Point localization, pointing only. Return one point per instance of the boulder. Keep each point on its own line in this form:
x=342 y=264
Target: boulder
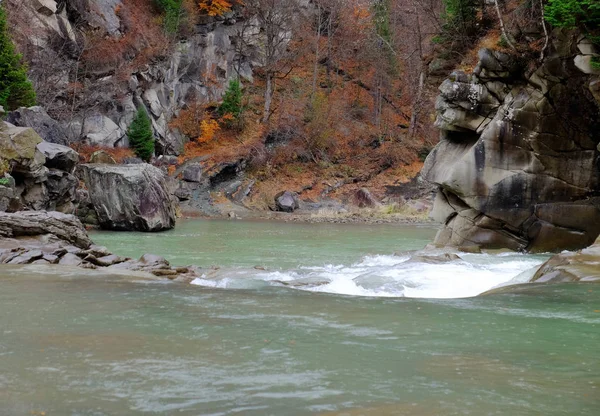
x=129 y=197
x=58 y=156
x=364 y=199
x=286 y=201
x=99 y=130
x=193 y=172
x=580 y=266
x=18 y=148
x=100 y=156
x=511 y=171
x=47 y=7
x=27 y=223
x=62 y=187
x=36 y=117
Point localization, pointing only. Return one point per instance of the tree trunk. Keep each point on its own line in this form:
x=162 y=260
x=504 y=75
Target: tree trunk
x=502 y=26
x=268 y=97
x=316 y=67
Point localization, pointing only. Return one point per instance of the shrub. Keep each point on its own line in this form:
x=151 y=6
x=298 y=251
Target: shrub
x=141 y=138
x=15 y=89
x=172 y=10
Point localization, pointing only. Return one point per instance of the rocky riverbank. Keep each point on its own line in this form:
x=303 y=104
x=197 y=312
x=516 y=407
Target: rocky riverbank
x=40 y=237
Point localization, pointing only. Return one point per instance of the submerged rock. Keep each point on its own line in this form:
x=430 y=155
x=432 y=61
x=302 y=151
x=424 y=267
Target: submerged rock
x=37 y=237
x=580 y=266
x=129 y=197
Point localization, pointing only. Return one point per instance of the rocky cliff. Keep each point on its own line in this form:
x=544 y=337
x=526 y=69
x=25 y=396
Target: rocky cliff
x=518 y=162
x=93 y=62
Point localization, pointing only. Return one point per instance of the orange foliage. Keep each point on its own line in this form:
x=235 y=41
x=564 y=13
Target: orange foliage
x=209 y=128
x=215 y=7
x=189 y=119
x=117 y=153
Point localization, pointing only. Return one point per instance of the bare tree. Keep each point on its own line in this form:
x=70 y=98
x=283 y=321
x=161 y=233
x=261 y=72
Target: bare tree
x=277 y=20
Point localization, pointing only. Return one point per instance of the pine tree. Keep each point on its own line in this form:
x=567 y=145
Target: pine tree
x=141 y=138
x=231 y=107
x=15 y=89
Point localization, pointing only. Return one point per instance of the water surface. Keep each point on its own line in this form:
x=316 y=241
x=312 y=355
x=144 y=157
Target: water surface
x=257 y=342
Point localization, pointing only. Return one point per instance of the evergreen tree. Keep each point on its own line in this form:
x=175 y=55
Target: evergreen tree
x=232 y=100
x=459 y=21
x=582 y=14
x=15 y=89
x=141 y=138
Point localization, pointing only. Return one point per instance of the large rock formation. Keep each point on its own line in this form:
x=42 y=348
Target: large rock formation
x=52 y=238
x=129 y=197
x=56 y=36
x=517 y=166
x=36 y=117
x=62 y=226
x=39 y=174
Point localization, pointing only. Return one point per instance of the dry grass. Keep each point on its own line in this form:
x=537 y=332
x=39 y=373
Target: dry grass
x=117 y=153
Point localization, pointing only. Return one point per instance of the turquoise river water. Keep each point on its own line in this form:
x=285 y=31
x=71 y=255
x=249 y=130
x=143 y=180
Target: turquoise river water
x=331 y=323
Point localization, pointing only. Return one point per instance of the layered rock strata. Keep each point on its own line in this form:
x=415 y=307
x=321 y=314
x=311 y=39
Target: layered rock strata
x=518 y=162
x=54 y=238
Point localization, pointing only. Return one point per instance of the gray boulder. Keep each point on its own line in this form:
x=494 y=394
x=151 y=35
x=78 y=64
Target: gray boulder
x=58 y=156
x=62 y=187
x=18 y=148
x=193 y=173
x=286 y=201
x=129 y=197
x=36 y=117
x=7 y=192
x=28 y=223
x=580 y=266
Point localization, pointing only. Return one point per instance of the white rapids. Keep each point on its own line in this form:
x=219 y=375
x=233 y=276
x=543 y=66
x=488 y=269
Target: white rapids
x=391 y=276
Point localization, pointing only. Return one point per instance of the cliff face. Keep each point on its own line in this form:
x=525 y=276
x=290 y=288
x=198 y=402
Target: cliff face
x=94 y=61
x=518 y=162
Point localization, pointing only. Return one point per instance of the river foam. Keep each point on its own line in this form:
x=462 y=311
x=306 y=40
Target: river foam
x=392 y=276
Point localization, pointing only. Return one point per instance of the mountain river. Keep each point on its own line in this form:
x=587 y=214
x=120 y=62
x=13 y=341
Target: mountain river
x=297 y=319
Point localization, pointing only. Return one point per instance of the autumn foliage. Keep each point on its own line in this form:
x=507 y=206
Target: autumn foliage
x=215 y=7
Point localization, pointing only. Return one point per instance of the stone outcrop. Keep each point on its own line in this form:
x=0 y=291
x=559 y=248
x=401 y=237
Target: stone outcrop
x=27 y=223
x=59 y=239
x=129 y=197
x=100 y=156
x=580 y=266
x=36 y=117
x=58 y=156
x=40 y=172
x=517 y=165
x=196 y=68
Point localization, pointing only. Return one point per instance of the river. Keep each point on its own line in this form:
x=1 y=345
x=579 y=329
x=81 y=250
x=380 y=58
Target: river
x=330 y=323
